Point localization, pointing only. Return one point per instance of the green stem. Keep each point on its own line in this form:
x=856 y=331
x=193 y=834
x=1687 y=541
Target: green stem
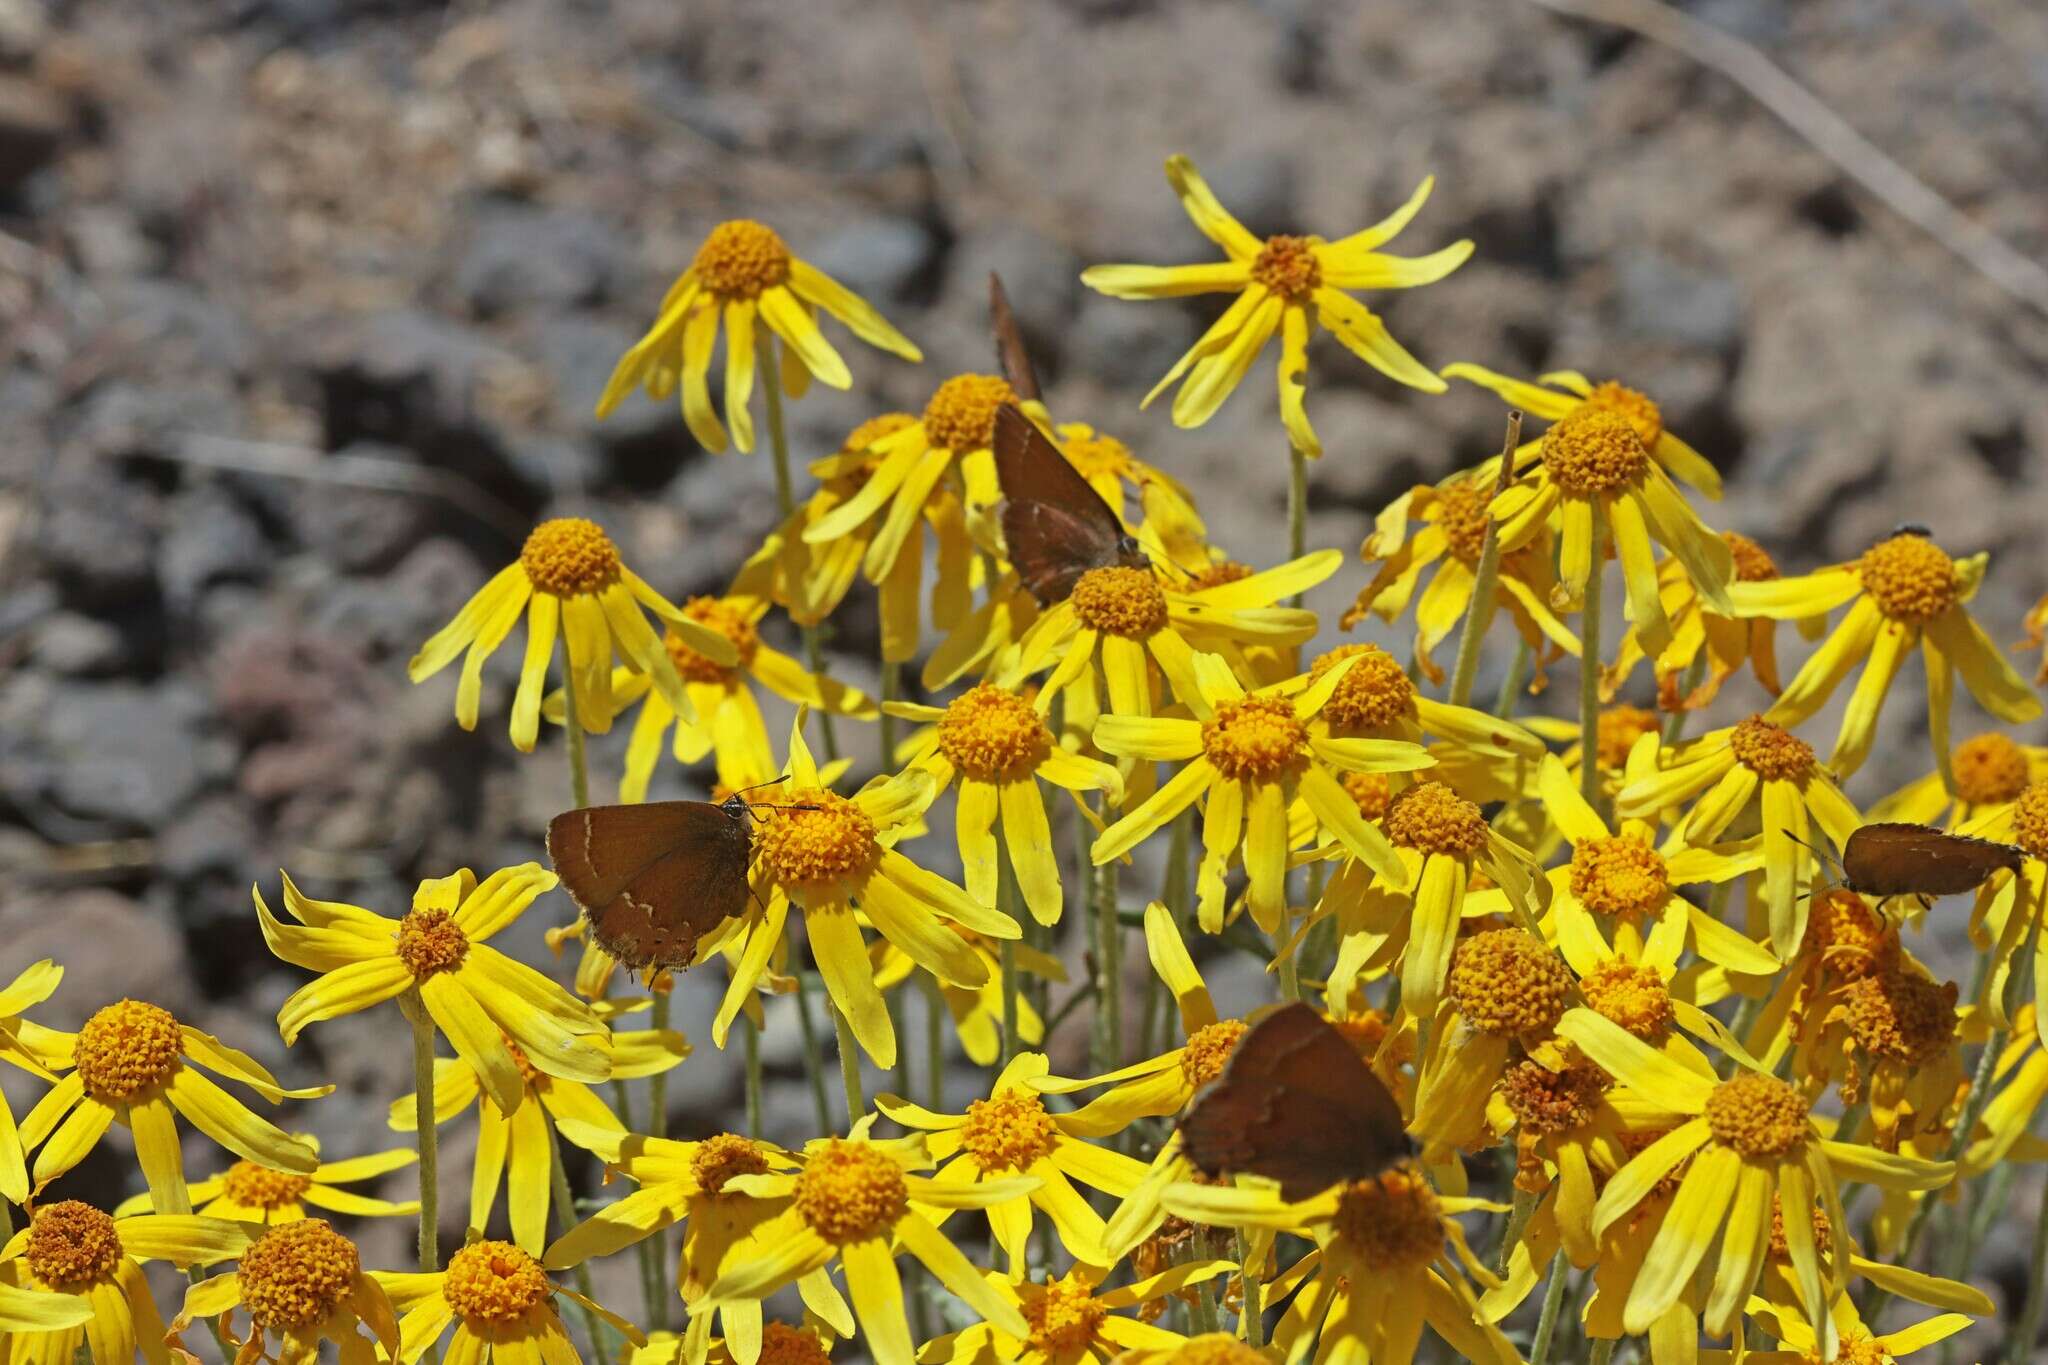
x=751 y=1032
x=1251 y=1320
x=1674 y=724
x=814 y=1056
x=1511 y=686
x=1546 y=1325
x=1297 y=505
x=1589 y=665
x=892 y=690
x=415 y=1010
x=1283 y=954
x=2020 y=1347
x=849 y=1065
x=934 y=1045
x=654 y=1250
x=1109 y=966
x=1485 y=579
x=579 y=764
x=1007 y=899
x=1603 y=1351
x=565 y=1218
x=1519 y=1213
x=785 y=504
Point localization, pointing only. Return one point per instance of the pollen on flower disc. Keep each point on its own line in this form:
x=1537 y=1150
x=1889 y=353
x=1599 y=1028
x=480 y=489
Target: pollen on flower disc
x=783 y=1344
x=1545 y=1101
x=570 y=557
x=1119 y=600
x=1287 y=265
x=989 y=733
x=1008 y=1131
x=1373 y=793
x=1432 y=818
x=2030 y=820
x=1375 y=693
x=1901 y=1016
x=259 y=1187
x=1770 y=751
x=71 y=1245
x=1507 y=983
x=1463 y=512
x=1753 y=563
x=720 y=1158
x=1393 y=1221
x=1618 y=729
x=1063 y=1318
x=850 y=1191
x=1631 y=996
x=1757 y=1115
x=1217 y=574
x=815 y=848
x=297 y=1273
x=1214 y=1348
x=1910 y=578
x=740 y=258
x=1208 y=1050
x=125 y=1049
x=721 y=616
x=1989 y=769
x=429 y=942
x=1851 y=939
x=1619 y=875
x=1256 y=738
x=961 y=415
x=1593 y=450
x=490 y=1282
x=1633 y=406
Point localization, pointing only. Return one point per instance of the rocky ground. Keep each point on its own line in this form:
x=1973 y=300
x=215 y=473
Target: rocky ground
x=305 y=304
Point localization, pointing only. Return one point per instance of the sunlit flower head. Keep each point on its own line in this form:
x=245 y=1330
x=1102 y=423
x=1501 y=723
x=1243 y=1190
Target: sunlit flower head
x=500 y=1304
x=1989 y=771
x=1559 y=394
x=22 y=1044
x=569 y=581
x=483 y=1001
x=1706 y=648
x=249 y=1192
x=745 y=276
x=1890 y=1040
x=1901 y=592
x=1076 y=1322
x=300 y=1283
x=1168 y=516
x=1278 y=281
x=1502 y=997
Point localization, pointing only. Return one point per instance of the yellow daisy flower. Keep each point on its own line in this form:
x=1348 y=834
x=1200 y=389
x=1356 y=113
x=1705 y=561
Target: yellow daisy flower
x=2007 y=1119
x=1210 y=1348
x=2009 y=907
x=136 y=1065
x=1903 y=591
x=1620 y=727
x=996 y=745
x=71 y=1253
x=1891 y=1039
x=568 y=581
x=22 y=1043
x=1390 y=1259
x=500 y=1302
x=1073 y=1321
x=1009 y=1134
x=1747 y=1138
x=1596 y=469
x=1754 y=764
x=1276 y=282
x=1721 y=645
x=514 y=1151
x=1855 y=1343
x=855 y=1201
x=1503 y=996
x=1454 y=517
x=1559 y=394
x=304 y=1282
x=690 y=1183
x=1169 y=519
x=745 y=276
x=977 y=1011
x=1989 y=770
x=248 y=1192
x=781 y=1343
x=825 y=854
x=481 y=999
x=1252 y=755
x=2036 y=623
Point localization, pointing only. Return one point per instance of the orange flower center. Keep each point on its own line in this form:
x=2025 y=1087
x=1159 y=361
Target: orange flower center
x=1256 y=738
x=1063 y=1317
x=1753 y=564
x=1461 y=510
x=1372 y=791
x=1989 y=769
x=814 y=849
x=570 y=557
x=1008 y=1131
x=740 y=258
x=1119 y=601
x=728 y=619
x=1432 y=818
x=1214 y=1348
x=1393 y=1220
x=1618 y=729
x=297 y=1274
x=1631 y=405
x=1910 y=578
x=1901 y=1016
x=430 y=941
x=961 y=415
x=1823 y=1230
x=493 y=1282
x=1374 y=694
x=1757 y=1115
x=1208 y=1051
x=1545 y=1101
x=126 y=1049
x=849 y=1191
x=1771 y=752
x=1096 y=455
x=1634 y=997
x=72 y=1246
x=2030 y=820
x=720 y=1158
x=1618 y=875
x=989 y=733
x=259 y=1187
x=1221 y=572
x=782 y=1344
x=1508 y=984
x=1288 y=266
x=1593 y=450
x=1848 y=936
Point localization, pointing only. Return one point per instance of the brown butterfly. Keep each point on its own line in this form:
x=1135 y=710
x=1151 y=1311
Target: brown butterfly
x=1296 y=1104
x=1896 y=859
x=654 y=878
x=1055 y=525
x=1010 y=352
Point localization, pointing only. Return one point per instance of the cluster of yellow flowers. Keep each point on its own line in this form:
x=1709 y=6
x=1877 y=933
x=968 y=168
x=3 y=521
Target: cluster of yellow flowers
x=1600 y=965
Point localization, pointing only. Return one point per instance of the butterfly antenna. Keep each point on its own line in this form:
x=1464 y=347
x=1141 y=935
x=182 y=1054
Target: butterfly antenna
x=1826 y=858
x=771 y=782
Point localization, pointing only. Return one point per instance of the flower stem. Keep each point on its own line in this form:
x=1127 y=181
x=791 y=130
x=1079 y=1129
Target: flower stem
x=1485 y=578
x=1511 y=685
x=654 y=1250
x=785 y=504
x=1251 y=1318
x=849 y=1065
x=2020 y=1347
x=1109 y=966
x=1674 y=724
x=1297 y=505
x=415 y=1011
x=1546 y=1324
x=1006 y=903
x=1603 y=1351
x=814 y=1056
x=934 y=1045
x=892 y=690
x=579 y=763
x=1519 y=1213
x=751 y=1033
x=1589 y=665
x=565 y=1218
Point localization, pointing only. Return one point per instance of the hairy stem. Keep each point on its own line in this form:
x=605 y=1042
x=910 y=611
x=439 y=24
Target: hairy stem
x=1485 y=578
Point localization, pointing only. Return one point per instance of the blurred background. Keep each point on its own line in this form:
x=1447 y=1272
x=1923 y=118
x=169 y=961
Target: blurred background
x=305 y=305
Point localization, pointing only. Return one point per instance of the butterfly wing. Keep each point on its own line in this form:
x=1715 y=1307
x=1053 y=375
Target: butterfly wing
x=1055 y=525
x=653 y=878
x=1898 y=859
x=1296 y=1104
x=1010 y=352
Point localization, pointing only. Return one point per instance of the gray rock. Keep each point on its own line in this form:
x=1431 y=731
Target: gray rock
x=211 y=837
x=78 y=646
x=184 y=327
x=1042 y=278
x=390 y=616
x=1127 y=345
x=33 y=120
x=1662 y=299
x=209 y=536
x=521 y=257
x=98 y=533
x=883 y=259
x=361 y=530
x=1261 y=191
x=579 y=354
x=120 y=753
x=111 y=948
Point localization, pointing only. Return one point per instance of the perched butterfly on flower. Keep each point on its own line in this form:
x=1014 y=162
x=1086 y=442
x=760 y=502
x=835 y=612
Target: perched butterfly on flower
x=1055 y=526
x=1295 y=1104
x=1897 y=859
